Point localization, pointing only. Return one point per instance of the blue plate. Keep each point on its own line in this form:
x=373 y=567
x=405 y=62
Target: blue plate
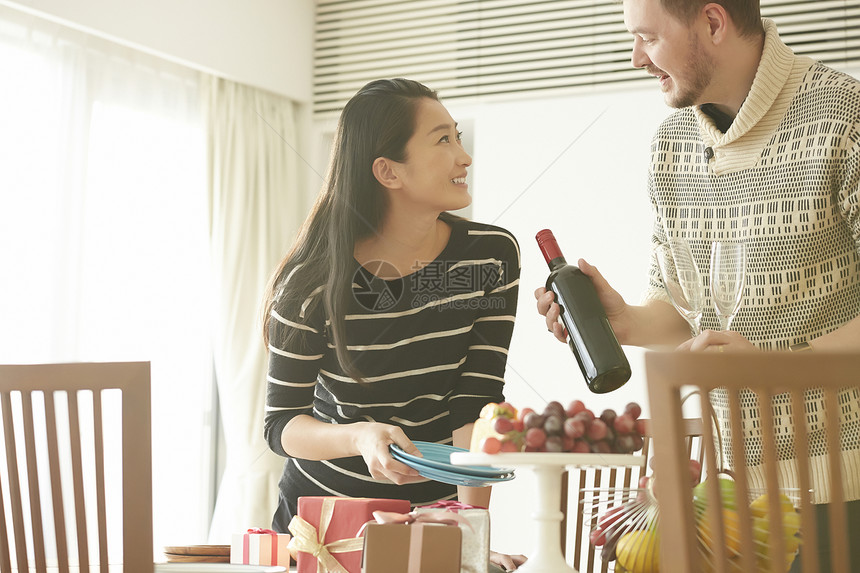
x=482 y=472
x=438 y=457
x=455 y=478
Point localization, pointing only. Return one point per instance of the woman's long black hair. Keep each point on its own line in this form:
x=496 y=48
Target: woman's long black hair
x=377 y=122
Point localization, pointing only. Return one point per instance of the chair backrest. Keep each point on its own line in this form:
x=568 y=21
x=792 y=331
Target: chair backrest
x=599 y=489
x=61 y=470
x=780 y=416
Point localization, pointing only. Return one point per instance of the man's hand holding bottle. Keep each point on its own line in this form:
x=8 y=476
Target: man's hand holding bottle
x=654 y=324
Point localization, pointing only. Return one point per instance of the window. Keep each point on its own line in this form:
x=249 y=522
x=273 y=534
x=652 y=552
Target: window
x=104 y=236
x=499 y=49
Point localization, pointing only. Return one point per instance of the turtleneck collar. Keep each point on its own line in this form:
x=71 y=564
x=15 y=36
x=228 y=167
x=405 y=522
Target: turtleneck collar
x=778 y=76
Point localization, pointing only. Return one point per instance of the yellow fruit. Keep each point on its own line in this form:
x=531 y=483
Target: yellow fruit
x=639 y=552
x=498 y=410
x=763 y=543
x=761 y=535
x=764 y=564
x=483 y=428
x=791 y=523
x=759 y=507
x=792 y=544
x=762 y=525
x=488 y=411
x=731 y=530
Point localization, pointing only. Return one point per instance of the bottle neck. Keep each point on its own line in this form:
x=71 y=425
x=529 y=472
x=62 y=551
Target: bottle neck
x=556 y=263
x=550 y=249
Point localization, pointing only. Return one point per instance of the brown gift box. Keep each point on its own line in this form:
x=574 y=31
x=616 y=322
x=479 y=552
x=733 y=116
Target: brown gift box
x=414 y=548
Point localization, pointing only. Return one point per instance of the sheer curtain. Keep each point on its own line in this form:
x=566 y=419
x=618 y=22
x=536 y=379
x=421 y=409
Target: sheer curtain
x=255 y=211
x=104 y=247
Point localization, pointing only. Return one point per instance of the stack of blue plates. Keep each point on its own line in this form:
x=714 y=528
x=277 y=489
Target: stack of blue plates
x=436 y=465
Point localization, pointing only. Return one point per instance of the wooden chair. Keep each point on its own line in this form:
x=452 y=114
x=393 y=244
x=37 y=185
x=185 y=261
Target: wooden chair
x=60 y=467
x=613 y=483
x=815 y=393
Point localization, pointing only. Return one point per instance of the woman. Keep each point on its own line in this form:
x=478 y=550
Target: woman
x=390 y=319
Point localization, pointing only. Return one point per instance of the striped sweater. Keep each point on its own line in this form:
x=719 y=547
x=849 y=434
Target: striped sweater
x=783 y=179
x=431 y=347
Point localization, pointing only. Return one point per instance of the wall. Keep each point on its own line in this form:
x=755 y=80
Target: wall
x=263 y=43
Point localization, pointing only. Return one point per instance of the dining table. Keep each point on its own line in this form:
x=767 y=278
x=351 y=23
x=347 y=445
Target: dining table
x=176 y=568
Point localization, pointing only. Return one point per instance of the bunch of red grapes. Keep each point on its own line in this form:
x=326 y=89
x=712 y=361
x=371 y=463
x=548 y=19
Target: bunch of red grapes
x=573 y=429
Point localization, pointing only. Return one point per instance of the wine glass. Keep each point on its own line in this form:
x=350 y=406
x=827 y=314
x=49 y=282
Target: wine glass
x=683 y=280
x=728 y=274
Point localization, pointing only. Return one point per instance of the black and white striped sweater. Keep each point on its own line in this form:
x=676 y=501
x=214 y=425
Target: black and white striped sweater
x=431 y=347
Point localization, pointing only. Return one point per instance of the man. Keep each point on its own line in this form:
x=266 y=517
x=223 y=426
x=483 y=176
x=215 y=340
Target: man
x=775 y=163
x=764 y=149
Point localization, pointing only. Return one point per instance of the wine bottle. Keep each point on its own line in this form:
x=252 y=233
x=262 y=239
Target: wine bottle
x=600 y=357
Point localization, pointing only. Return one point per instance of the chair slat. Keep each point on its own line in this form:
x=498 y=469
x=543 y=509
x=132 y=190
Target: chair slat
x=667 y=434
x=56 y=483
x=580 y=497
x=777 y=546
x=565 y=486
x=78 y=481
x=37 y=530
x=5 y=554
x=591 y=551
x=711 y=460
x=613 y=476
x=137 y=474
x=742 y=494
x=98 y=443
x=14 y=484
x=808 y=521
x=836 y=514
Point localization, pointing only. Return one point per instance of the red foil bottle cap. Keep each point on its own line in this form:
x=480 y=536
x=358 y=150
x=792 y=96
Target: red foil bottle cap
x=548 y=245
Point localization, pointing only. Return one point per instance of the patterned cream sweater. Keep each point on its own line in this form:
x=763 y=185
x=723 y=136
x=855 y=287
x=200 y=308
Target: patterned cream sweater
x=784 y=179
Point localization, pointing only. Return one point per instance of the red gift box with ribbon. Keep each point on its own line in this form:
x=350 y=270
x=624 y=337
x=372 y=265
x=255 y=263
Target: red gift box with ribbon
x=327 y=531
x=260 y=547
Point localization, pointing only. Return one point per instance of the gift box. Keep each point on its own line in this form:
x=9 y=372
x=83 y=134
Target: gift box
x=326 y=531
x=475 y=552
x=413 y=548
x=260 y=547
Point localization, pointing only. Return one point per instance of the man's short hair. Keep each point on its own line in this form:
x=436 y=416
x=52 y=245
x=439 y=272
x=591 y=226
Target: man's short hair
x=746 y=14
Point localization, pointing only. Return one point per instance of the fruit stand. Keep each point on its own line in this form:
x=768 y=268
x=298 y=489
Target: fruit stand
x=548 y=467
x=623 y=520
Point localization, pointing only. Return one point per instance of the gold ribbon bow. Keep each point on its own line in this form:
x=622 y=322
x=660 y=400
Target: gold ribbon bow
x=310 y=540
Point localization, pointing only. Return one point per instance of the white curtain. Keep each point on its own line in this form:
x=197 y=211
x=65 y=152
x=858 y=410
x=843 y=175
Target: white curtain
x=256 y=207
x=103 y=236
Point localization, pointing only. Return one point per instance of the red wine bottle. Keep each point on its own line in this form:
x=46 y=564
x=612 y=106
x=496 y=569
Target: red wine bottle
x=591 y=337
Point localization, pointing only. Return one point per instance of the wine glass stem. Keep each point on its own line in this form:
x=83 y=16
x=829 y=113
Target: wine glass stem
x=696 y=323
x=725 y=322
